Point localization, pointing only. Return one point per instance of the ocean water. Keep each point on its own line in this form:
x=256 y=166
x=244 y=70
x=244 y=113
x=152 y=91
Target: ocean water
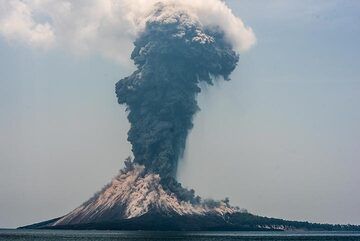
x=61 y=235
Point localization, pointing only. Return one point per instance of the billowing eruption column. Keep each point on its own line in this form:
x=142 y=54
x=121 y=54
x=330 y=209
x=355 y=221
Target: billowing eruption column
x=173 y=55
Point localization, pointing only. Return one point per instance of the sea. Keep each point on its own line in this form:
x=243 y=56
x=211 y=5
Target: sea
x=67 y=235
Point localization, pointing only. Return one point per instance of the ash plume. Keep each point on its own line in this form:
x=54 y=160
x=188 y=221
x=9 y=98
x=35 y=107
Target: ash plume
x=173 y=54
x=178 y=45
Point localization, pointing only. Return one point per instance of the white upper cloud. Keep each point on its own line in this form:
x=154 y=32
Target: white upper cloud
x=106 y=27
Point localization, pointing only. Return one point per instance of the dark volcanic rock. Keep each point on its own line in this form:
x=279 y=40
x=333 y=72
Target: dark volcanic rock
x=232 y=222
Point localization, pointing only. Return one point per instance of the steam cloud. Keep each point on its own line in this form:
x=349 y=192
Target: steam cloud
x=106 y=27
x=178 y=45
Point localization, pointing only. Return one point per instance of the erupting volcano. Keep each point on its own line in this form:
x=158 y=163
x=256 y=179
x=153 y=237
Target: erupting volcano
x=173 y=54
x=175 y=50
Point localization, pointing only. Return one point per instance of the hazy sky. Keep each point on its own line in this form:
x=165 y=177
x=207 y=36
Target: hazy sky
x=281 y=139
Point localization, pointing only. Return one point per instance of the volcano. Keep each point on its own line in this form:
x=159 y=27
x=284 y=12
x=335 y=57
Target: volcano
x=136 y=200
x=179 y=47
x=134 y=193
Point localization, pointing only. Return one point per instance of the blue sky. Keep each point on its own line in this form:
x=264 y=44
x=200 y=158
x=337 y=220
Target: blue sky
x=281 y=139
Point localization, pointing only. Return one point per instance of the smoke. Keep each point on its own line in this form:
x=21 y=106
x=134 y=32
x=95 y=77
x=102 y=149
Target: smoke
x=173 y=54
x=178 y=44
x=106 y=27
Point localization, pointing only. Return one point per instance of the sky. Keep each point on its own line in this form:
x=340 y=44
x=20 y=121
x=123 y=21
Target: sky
x=281 y=139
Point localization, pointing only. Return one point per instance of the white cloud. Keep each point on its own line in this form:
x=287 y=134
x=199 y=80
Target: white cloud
x=17 y=23
x=106 y=27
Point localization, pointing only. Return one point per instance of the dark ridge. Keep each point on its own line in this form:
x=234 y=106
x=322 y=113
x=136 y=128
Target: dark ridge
x=40 y=224
x=232 y=222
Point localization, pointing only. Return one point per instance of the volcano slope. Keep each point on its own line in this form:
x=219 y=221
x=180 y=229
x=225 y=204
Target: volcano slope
x=136 y=200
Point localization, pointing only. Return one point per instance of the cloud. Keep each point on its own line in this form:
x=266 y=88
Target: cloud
x=17 y=23
x=106 y=27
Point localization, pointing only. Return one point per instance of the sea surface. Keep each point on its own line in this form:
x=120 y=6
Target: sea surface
x=61 y=235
